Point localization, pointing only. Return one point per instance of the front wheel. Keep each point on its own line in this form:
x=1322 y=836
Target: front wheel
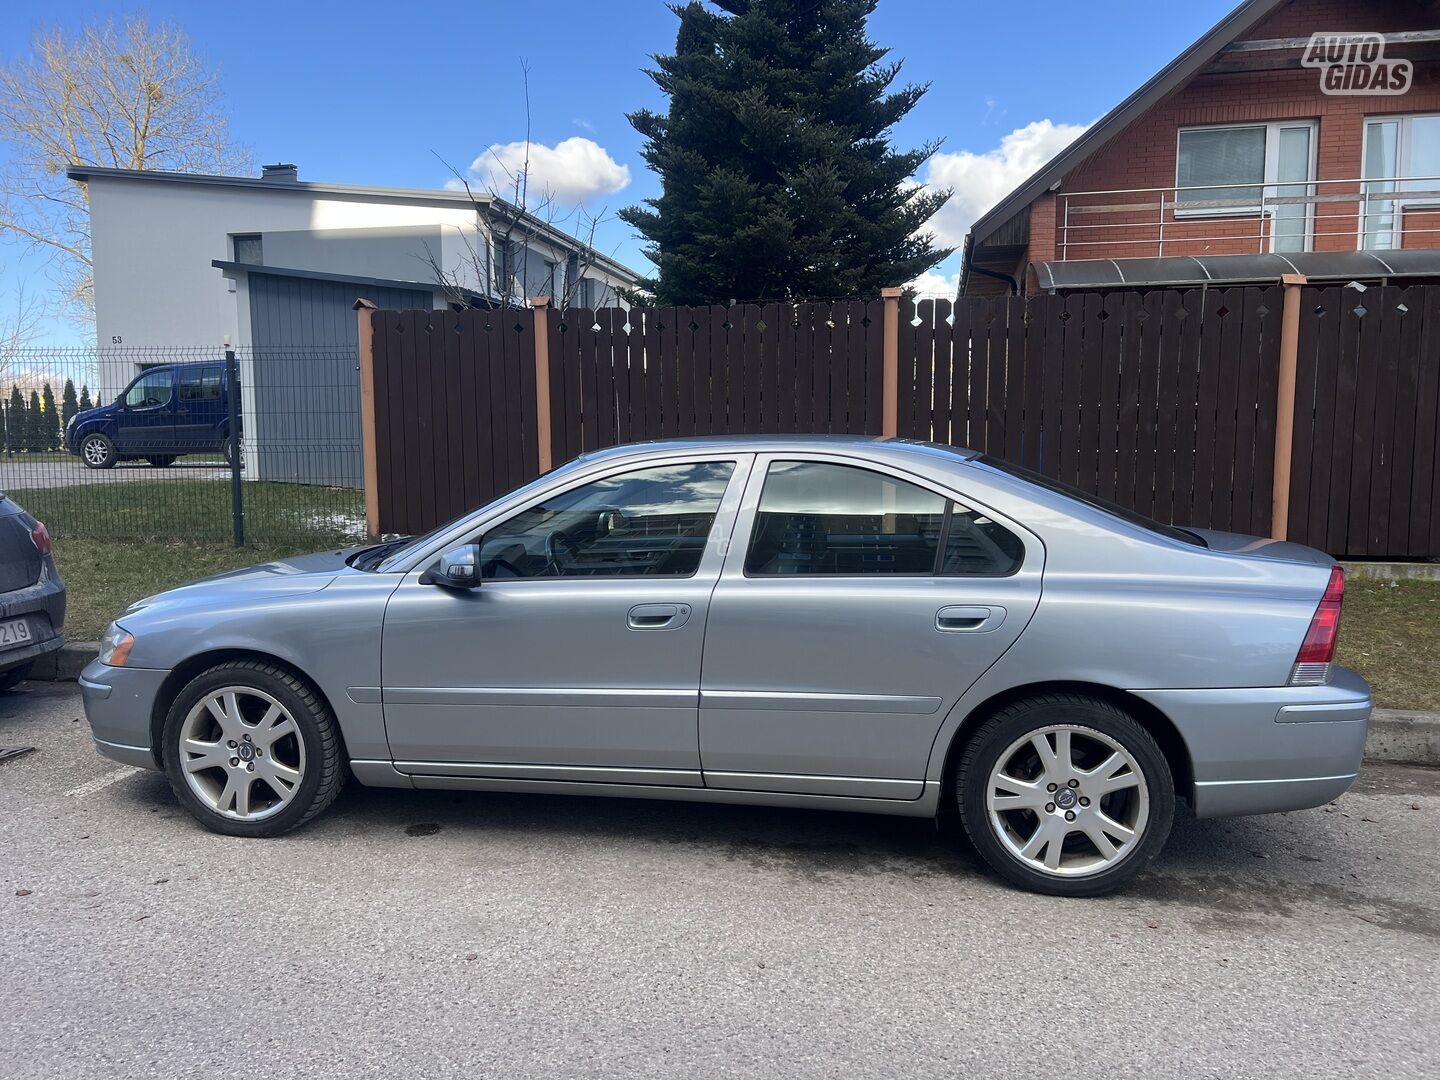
x=230 y=450
x=98 y=452
x=1065 y=794
x=251 y=750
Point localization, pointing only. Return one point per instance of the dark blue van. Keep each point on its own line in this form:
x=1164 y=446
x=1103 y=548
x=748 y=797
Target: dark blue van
x=167 y=411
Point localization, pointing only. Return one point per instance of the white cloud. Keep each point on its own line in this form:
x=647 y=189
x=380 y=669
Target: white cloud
x=572 y=171
x=982 y=180
x=934 y=285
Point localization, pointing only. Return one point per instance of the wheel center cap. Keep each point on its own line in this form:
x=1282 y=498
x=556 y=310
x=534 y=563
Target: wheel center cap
x=1065 y=798
x=246 y=752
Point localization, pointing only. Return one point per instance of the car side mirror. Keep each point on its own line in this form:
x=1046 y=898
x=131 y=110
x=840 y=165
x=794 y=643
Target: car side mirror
x=458 y=568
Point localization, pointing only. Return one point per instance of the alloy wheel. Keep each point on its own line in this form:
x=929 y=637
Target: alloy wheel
x=95 y=450
x=1068 y=801
x=241 y=753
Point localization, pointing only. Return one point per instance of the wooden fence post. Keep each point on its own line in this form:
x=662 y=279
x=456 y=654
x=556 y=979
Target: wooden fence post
x=1285 y=405
x=369 y=448
x=540 y=310
x=890 y=400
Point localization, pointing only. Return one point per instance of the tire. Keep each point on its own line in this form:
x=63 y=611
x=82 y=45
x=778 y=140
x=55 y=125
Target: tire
x=98 y=452
x=228 y=449
x=14 y=677
x=204 y=780
x=1121 y=784
x=161 y=461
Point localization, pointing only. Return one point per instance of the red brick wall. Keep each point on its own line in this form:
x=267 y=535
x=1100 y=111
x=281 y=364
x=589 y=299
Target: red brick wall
x=1143 y=155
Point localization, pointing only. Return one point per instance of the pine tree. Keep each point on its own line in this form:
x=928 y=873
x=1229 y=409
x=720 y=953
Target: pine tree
x=34 y=424
x=15 y=425
x=49 y=420
x=85 y=402
x=4 y=426
x=69 y=406
x=778 y=177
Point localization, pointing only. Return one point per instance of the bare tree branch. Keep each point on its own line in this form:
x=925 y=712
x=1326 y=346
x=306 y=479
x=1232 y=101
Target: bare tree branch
x=126 y=95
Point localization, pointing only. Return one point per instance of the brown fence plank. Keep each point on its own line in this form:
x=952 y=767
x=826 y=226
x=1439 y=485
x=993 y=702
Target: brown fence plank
x=1425 y=480
x=1385 y=374
x=1343 y=444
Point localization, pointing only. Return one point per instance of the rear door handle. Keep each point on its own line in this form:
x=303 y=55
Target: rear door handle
x=968 y=620
x=658 y=616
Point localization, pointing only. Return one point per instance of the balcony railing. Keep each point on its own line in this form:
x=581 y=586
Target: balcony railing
x=1359 y=213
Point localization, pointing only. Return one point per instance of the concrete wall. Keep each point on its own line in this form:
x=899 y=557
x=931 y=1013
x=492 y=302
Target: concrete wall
x=154 y=241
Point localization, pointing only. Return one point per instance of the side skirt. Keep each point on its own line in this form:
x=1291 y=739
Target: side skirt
x=385 y=774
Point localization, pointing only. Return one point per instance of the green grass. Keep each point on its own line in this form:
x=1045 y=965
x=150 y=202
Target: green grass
x=1390 y=633
x=295 y=516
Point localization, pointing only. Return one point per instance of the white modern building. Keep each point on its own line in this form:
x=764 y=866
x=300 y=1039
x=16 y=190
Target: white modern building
x=189 y=265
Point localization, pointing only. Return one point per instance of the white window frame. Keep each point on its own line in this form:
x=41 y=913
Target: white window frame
x=1402 y=166
x=1271 y=181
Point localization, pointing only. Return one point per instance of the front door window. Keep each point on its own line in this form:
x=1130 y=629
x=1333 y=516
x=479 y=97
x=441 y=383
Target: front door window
x=648 y=523
x=150 y=391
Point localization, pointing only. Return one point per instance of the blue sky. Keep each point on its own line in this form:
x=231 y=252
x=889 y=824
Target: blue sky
x=369 y=93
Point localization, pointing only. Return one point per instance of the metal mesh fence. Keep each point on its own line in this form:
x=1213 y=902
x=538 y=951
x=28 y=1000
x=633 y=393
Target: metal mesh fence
x=186 y=443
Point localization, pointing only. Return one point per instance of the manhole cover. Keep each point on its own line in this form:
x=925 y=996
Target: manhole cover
x=8 y=752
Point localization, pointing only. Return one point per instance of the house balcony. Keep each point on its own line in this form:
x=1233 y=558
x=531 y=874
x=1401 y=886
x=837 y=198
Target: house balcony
x=1355 y=214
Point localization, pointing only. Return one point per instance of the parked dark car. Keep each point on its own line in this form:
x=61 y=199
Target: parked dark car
x=32 y=596
x=165 y=412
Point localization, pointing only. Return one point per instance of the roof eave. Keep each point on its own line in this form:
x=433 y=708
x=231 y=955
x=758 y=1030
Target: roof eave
x=1179 y=71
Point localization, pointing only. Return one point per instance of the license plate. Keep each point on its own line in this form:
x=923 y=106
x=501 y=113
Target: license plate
x=14 y=632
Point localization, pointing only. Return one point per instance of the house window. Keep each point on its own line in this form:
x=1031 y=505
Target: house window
x=1400 y=152
x=552 y=283
x=247 y=249
x=1248 y=169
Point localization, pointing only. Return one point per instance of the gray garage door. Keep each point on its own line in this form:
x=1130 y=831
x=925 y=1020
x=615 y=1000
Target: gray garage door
x=303 y=375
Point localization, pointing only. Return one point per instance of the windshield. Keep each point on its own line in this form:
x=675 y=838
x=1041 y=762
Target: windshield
x=1174 y=532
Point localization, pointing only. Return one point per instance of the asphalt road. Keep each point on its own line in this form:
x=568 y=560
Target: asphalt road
x=432 y=934
x=17 y=474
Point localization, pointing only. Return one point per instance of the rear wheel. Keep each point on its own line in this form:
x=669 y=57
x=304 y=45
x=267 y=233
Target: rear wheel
x=1065 y=794
x=97 y=451
x=230 y=449
x=251 y=750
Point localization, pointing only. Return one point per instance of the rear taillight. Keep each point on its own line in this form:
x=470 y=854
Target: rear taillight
x=41 y=537
x=1312 y=663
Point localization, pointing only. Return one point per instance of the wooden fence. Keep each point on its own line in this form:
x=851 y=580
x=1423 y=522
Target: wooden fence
x=1166 y=402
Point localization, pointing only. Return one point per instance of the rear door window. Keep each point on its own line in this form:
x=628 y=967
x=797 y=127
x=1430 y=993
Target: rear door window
x=820 y=519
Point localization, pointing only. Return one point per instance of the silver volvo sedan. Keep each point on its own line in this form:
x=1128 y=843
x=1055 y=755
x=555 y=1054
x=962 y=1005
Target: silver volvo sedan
x=857 y=624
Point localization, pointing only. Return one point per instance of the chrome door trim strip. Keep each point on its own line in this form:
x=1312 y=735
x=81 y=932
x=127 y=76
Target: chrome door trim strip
x=788 y=701
x=562 y=697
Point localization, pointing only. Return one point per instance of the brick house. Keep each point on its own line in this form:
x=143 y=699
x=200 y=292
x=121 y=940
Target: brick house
x=1233 y=165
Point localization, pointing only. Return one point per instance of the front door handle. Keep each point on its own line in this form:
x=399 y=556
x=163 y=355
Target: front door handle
x=658 y=616
x=968 y=619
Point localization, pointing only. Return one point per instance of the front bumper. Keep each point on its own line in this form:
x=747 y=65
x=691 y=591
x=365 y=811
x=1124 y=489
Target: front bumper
x=1258 y=750
x=119 y=703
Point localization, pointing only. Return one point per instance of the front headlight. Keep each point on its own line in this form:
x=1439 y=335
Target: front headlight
x=115 y=646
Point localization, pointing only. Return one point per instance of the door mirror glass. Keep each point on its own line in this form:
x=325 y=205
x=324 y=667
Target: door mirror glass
x=458 y=568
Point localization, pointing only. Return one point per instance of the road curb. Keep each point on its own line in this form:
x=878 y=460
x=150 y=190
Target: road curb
x=1398 y=735
x=65 y=663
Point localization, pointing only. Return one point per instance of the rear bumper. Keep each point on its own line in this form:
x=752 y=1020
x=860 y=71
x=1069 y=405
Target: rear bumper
x=42 y=606
x=1258 y=750
x=119 y=703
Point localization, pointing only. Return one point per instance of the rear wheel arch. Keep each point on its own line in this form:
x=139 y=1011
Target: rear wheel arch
x=1160 y=727
x=185 y=671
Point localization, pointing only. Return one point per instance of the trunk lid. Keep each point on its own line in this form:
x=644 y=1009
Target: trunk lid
x=1261 y=547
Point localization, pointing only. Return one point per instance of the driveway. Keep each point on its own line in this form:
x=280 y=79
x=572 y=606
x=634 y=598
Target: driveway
x=16 y=474
x=441 y=934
